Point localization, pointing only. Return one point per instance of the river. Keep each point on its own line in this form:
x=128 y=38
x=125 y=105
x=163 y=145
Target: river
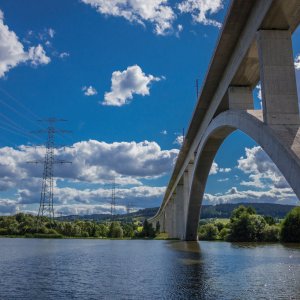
x=141 y=269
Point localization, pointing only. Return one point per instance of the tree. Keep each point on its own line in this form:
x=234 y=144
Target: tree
x=115 y=230
x=246 y=226
x=102 y=230
x=208 y=232
x=224 y=233
x=290 y=230
x=148 y=230
x=270 y=220
x=128 y=229
x=271 y=233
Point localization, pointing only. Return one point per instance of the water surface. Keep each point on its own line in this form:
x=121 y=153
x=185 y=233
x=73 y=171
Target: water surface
x=141 y=269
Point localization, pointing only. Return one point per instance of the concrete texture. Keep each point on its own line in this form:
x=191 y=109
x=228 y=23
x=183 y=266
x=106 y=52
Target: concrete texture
x=277 y=75
x=255 y=44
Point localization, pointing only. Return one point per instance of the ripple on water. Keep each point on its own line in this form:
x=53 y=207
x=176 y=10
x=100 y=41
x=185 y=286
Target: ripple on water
x=103 y=269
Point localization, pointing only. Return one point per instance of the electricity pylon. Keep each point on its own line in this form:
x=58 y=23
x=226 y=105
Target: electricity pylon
x=113 y=199
x=46 y=200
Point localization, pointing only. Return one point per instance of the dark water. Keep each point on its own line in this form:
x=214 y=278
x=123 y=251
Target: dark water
x=104 y=269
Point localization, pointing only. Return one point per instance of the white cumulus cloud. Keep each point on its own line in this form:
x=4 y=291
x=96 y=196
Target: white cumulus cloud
x=157 y=12
x=37 y=56
x=124 y=84
x=12 y=52
x=200 y=9
x=233 y=195
x=87 y=181
x=215 y=169
x=261 y=170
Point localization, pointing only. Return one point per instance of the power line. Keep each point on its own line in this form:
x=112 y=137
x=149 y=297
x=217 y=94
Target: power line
x=17 y=112
x=19 y=103
x=13 y=127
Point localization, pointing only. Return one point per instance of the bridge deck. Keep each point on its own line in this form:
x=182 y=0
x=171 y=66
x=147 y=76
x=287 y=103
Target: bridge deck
x=275 y=14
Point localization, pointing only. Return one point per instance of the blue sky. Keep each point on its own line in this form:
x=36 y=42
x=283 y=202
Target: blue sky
x=124 y=78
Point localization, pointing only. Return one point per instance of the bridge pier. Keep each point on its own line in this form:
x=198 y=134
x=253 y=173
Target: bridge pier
x=277 y=75
x=255 y=44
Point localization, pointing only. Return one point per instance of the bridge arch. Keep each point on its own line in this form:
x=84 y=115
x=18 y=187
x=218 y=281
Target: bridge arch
x=280 y=142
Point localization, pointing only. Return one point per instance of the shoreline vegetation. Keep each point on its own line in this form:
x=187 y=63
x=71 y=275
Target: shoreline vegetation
x=244 y=225
x=28 y=226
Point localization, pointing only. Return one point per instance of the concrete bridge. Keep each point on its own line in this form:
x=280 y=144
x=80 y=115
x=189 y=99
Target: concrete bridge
x=254 y=45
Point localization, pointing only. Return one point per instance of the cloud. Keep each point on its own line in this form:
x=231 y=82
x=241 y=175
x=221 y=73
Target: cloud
x=70 y=195
x=124 y=84
x=179 y=140
x=156 y=12
x=8 y=207
x=215 y=169
x=223 y=179
x=199 y=9
x=233 y=195
x=164 y=132
x=89 y=91
x=297 y=62
x=51 y=32
x=64 y=55
x=267 y=183
x=93 y=161
x=12 y=52
x=179 y=30
x=261 y=169
x=87 y=181
x=258 y=87
x=37 y=56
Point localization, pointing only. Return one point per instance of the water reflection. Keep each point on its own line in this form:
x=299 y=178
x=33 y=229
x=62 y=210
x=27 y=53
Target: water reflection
x=188 y=272
x=95 y=269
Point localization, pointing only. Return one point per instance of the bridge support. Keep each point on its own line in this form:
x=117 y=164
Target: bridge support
x=255 y=45
x=277 y=75
x=240 y=98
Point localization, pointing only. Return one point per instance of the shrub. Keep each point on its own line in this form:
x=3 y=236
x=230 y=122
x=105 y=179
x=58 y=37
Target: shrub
x=246 y=226
x=271 y=233
x=290 y=231
x=208 y=232
x=224 y=233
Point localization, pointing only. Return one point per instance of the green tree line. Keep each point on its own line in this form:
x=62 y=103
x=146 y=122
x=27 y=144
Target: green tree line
x=247 y=226
x=27 y=225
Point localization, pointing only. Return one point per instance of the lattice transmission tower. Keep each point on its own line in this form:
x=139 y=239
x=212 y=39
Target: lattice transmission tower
x=46 y=199
x=113 y=199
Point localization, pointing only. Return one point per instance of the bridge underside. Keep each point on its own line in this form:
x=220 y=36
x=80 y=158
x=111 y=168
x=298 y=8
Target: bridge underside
x=255 y=44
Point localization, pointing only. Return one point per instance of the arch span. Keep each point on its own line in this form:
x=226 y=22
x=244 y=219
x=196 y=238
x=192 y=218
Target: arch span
x=280 y=142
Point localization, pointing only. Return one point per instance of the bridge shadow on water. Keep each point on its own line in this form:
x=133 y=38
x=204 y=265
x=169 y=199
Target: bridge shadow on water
x=188 y=271
x=219 y=270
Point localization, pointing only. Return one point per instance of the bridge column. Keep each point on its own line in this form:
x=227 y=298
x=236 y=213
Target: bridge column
x=162 y=222
x=173 y=221
x=179 y=211
x=277 y=75
x=168 y=213
x=187 y=181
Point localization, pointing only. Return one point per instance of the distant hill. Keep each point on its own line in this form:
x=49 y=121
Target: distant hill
x=207 y=211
